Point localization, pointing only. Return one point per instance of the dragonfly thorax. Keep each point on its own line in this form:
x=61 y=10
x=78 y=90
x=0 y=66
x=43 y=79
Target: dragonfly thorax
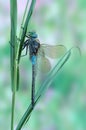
x=33 y=50
x=34 y=47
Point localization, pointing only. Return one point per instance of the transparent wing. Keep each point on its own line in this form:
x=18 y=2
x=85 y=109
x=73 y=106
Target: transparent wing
x=52 y=51
x=43 y=64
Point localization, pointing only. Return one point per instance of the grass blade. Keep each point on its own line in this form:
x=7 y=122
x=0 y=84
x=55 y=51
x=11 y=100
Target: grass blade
x=43 y=87
x=23 y=20
x=50 y=77
x=13 y=42
x=26 y=116
x=13 y=49
x=25 y=12
x=24 y=30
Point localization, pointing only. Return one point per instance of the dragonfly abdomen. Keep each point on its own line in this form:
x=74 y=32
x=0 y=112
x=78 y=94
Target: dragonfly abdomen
x=33 y=59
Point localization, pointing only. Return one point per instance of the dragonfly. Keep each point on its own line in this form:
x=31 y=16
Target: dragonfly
x=37 y=49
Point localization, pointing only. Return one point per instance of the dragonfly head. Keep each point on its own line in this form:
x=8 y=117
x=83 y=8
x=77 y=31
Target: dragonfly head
x=33 y=34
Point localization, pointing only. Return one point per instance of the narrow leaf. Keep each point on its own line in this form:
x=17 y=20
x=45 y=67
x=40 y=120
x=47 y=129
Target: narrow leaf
x=50 y=77
x=24 y=30
x=43 y=87
x=13 y=16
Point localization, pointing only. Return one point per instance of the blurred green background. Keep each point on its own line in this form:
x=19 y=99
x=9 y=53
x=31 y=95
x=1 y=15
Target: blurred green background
x=63 y=106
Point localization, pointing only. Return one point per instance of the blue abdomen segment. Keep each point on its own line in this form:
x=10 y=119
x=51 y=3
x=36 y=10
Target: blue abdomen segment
x=33 y=59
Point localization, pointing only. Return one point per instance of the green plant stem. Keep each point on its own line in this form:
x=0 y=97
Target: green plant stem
x=13 y=51
x=12 y=114
x=23 y=34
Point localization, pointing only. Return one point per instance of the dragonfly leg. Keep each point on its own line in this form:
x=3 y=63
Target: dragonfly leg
x=25 y=52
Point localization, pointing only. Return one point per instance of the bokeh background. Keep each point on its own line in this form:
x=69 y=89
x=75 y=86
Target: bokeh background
x=63 y=106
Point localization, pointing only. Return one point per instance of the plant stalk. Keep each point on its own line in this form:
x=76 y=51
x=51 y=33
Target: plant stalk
x=13 y=50
x=13 y=108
